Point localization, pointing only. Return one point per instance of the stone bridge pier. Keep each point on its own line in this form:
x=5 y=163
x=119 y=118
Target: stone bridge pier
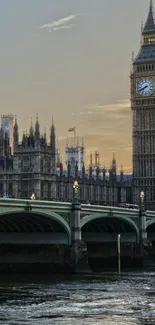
x=142 y=226
x=145 y=244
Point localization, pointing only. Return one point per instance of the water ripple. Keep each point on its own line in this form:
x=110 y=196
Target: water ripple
x=93 y=300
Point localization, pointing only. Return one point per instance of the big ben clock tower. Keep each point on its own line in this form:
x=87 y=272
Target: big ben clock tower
x=143 y=108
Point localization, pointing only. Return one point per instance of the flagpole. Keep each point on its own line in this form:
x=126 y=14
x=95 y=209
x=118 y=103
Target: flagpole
x=73 y=130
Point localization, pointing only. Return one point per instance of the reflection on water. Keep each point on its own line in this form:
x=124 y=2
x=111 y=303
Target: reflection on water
x=93 y=300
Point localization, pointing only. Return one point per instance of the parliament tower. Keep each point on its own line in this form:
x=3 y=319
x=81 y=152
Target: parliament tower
x=143 y=109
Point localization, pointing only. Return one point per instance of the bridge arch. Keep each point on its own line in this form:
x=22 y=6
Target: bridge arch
x=150 y=228
x=33 y=221
x=123 y=220
x=150 y=223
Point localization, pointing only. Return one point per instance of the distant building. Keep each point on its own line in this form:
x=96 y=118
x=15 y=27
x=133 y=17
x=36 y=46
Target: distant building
x=33 y=169
x=75 y=155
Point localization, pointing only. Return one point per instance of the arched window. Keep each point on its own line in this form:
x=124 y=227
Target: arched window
x=49 y=166
x=42 y=165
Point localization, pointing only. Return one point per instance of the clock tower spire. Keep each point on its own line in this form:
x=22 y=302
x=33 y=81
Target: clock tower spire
x=149 y=25
x=143 y=109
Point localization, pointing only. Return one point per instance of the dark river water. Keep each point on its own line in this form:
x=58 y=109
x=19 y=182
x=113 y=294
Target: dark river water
x=98 y=299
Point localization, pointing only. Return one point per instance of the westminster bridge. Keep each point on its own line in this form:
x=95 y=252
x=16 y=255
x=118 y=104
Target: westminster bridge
x=33 y=222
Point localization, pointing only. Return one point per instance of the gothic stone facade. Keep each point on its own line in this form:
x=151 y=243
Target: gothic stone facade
x=32 y=169
x=95 y=189
x=143 y=108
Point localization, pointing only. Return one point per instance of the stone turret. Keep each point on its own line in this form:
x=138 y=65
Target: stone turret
x=53 y=138
x=15 y=135
x=83 y=172
x=114 y=164
x=31 y=138
x=37 y=129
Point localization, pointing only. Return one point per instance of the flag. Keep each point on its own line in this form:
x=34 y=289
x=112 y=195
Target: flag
x=71 y=130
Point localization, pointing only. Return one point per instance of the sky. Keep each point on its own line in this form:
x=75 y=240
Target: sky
x=71 y=60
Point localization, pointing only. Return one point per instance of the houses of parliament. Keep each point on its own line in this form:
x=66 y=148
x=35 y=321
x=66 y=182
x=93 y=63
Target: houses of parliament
x=33 y=165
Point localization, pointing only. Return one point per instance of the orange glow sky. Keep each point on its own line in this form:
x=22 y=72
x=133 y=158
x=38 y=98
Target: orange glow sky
x=71 y=59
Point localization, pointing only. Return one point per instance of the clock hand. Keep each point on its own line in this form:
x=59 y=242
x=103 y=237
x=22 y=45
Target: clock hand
x=143 y=88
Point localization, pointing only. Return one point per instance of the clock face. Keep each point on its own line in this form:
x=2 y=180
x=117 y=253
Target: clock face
x=145 y=87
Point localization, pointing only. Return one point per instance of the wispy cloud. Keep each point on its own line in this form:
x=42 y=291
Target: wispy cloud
x=62 y=23
x=119 y=106
x=110 y=120
x=62 y=27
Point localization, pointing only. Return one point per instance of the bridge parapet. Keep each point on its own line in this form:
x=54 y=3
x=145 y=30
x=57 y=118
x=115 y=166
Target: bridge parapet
x=8 y=204
x=150 y=214
x=109 y=211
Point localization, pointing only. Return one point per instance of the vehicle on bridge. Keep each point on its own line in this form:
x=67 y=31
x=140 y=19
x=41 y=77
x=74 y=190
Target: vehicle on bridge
x=128 y=206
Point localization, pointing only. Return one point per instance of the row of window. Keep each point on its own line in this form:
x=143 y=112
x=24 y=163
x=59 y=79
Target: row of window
x=145 y=101
x=149 y=40
x=144 y=146
x=145 y=122
x=145 y=169
x=145 y=67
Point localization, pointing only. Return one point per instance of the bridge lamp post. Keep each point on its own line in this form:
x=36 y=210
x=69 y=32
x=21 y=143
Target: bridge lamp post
x=75 y=192
x=142 y=196
x=32 y=197
x=119 y=252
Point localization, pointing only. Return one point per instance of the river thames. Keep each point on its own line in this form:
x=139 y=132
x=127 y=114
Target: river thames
x=105 y=299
